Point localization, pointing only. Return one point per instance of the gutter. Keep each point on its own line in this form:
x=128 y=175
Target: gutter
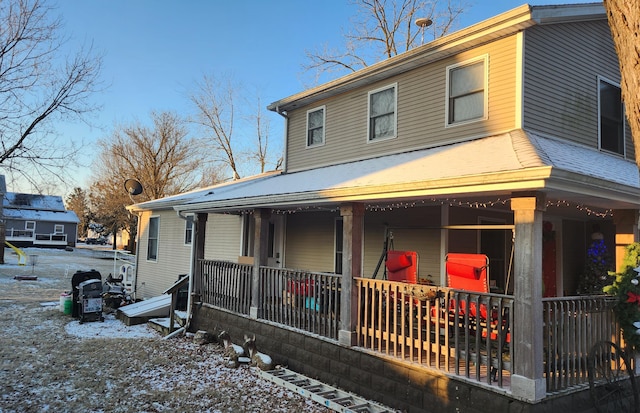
x=285 y=154
x=190 y=290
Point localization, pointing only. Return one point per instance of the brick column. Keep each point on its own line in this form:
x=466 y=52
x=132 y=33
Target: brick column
x=527 y=381
x=626 y=222
x=260 y=251
x=352 y=229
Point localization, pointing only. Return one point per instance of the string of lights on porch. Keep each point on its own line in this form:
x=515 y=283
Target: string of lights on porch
x=450 y=202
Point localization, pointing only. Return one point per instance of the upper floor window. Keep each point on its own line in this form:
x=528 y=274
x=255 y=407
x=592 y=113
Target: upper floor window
x=315 y=127
x=152 y=238
x=30 y=225
x=188 y=231
x=382 y=113
x=58 y=229
x=467 y=91
x=611 y=117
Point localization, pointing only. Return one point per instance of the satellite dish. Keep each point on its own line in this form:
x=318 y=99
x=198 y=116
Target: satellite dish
x=133 y=187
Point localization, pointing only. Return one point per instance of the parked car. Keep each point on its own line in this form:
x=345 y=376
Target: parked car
x=96 y=241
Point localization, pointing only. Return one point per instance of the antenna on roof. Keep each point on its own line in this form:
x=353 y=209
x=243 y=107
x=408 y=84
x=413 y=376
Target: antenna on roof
x=423 y=22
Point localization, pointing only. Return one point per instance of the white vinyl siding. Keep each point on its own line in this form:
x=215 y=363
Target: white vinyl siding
x=560 y=80
x=611 y=117
x=315 y=127
x=154 y=277
x=467 y=92
x=223 y=237
x=309 y=241
x=421 y=117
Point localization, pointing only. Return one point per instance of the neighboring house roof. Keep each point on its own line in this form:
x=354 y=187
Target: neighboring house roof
x=515 y=161
x=502 y=25
x=33 y=201
x=68 y=217
x=35 y=207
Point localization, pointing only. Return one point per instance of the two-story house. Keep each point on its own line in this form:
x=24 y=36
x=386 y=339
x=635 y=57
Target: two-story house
x=33 y=220
x=504 y=141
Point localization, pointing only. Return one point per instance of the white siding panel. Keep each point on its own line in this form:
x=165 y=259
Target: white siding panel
x=310 y=241
x=154 y=277
x=561 y=66
x=421 y=112
x=223 y=237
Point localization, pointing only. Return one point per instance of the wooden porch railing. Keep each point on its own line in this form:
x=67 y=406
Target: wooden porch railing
x=309 y=301
x=225 y=284
x=458 y=332
x=573 y=325
x=461 y=333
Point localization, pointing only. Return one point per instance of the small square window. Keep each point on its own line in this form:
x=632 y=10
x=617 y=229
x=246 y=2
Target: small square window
x=611 y=122
x=30 y=225
x=382 y=113
x=58 y=229
x=315 y=127
x=466 y=91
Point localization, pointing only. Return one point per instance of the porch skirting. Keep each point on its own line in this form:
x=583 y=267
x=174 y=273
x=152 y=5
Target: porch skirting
x=401 y=385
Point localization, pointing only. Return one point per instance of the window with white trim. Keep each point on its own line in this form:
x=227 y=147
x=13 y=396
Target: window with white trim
x=58 y=229
x=315 y=127
x=188 y=231
x=30 y=225
x=467 y=91
x=611 y=119
x=382 y=113
x=152 y=238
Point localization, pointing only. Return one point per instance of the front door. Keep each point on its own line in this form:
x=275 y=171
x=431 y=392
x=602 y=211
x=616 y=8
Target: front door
x=275 y=254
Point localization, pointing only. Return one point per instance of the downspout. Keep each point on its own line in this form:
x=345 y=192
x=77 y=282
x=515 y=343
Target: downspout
x=284 y=114
x=190 y=291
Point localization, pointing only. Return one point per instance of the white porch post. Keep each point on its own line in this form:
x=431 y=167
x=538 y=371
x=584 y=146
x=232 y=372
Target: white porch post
x=352 y=226
x=260 y=252
x=528 y=380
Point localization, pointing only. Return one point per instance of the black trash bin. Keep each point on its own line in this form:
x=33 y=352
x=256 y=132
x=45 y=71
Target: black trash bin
x=76 y=279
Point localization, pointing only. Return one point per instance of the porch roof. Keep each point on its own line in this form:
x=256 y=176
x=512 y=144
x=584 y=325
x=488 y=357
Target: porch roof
x=493 y=166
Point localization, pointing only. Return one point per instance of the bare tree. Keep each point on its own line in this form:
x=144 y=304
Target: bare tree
x=214 y=101
x=382 y=29
x=163 y=158
x=260 y=151
x=37 y=86
x=624 y=21
x=219 y=117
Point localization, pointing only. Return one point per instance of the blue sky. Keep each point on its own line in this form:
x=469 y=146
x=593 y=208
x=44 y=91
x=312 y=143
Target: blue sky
x=155 y=50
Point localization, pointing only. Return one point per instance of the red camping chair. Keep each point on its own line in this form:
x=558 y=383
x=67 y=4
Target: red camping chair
x=470 y=272
x=402 y=266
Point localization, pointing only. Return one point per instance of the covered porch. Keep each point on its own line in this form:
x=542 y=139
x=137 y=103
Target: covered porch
x=531 y=215
x=517 y=337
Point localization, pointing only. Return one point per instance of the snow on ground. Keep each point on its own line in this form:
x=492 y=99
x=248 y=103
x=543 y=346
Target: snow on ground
x=51 y=362
x=111 y=327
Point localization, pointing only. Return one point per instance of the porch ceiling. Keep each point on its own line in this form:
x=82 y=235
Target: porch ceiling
x=493 y=166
